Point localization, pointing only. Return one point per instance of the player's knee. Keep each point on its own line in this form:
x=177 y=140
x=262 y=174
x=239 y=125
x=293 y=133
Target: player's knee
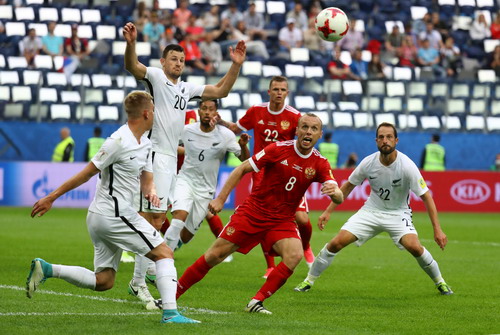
x=415 y=249
x=103 y=284
x=293 y=258
x=335 y=245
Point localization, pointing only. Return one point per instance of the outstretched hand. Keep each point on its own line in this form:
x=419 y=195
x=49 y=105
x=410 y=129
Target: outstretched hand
x=244 y=139
x=323 y=220
x=238 y=54
x=215 y=206
x=41 y=207
x=440 y=238
x=130 y=32
x=153 y=199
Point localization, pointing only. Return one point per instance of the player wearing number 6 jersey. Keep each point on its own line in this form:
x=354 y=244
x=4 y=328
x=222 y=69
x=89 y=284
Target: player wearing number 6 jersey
x=391 y=175
x=267 y=215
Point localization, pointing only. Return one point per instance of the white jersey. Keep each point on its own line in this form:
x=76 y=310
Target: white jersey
x=204 y=153
x=121 y=161
x=390 y=185
x=170 y=109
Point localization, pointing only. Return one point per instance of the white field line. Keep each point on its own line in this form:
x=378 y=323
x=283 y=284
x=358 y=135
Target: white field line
x=93 y=297
x=489 y=244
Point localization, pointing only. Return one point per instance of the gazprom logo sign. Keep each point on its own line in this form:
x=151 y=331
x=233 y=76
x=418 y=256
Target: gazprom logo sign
x=470 y=192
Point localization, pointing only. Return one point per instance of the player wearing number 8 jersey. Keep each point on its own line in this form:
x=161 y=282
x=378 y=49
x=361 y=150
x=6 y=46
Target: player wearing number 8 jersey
x=267 y=215
x=392 y=175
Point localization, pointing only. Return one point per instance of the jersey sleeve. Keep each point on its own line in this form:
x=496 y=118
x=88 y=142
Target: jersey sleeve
x=266 y=156
x=417 y=182
x=149 y=162
x=325 y=172
x=231 y=143
x=359 y=174
x=195 y=91
x=153 y=74
x=247 y=121
x=107 y=154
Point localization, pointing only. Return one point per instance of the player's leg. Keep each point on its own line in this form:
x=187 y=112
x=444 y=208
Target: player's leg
x=216 y=226
x=165 y=225
x=270 y=264
x=424 y=258
x=219 y=250
x=305 y=230
x=173 y=233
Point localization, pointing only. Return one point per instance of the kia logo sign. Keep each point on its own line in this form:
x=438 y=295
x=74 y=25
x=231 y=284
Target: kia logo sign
x=470 y=192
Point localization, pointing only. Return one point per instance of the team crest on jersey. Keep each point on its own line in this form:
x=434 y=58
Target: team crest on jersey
x=310 y=173
x=285 y=124
x=422 y=183
x=230 y=231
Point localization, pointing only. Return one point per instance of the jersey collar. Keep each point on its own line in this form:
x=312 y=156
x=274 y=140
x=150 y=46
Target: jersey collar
x=273 y=112
x=298 y=152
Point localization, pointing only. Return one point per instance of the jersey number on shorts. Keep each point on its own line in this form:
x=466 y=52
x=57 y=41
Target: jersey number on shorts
x=271 y=135
x=180 y=102
x=384 y=194
x=408 y=223
x=290 y=184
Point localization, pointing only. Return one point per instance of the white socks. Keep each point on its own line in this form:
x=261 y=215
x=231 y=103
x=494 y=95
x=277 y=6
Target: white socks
x=75 y=275
x=140 y=268
x=430 y=266
x=173 y=233
x=321 y=263
x=166 y=282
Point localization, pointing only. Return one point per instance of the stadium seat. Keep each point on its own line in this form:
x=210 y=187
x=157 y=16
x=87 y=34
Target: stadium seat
x=385 y=117
x=475 y=123
x=393 y=104
x=415 y=105
x=371 y=104
x=304 y=103
x=71 y=15
x=395 y=89
x=106 y=32
x=108 y=113
x=350 y=106
x=91 y=16
x=481 y=91
x=15 y=29
x=299 y=55
x=312 y=86
x=342 y=120
x=48 y=14
x=294 y=71
x=78 y=80
x=451 y=123
x=4 y=94
x=439 y=91
x=6 y=13
x=493 y=124
x=402 y=73
x=60 y=112
x=198 y=80
x=126 y=81
x=13 y=111
x=63 y=30
x=38 y=112
x=70 y=97
x=40 y=28
x=17 y=63
x=21 y=94
x=226 y=114
x=271 y=71
x=48 y=95
x=314 y=72
x=85 y=31
x=375 y=88
x=333 y=88
x=363 y=120
x=9 y=78
x=32 y=78
x=324 y=117
x=407 y=122
x=325 y=106
x=240 y=113
x=478 y=106
x=456 y=106
x=495 y=108
x=44 y=62
x=2 y=62
x=460 y=90
x=57 y=79
x=86 y=113
x=418 y=89
x=430 y=123
x=486 y=76
x=251 y=99
x=115 y=97
x=94 y=97
x=251 y=68
x=233 y=100
x=101 y=80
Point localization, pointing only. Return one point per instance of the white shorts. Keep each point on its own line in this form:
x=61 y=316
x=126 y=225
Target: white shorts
x=187 y=200
x=164 y=174
x=111 y=235
x=366 y=224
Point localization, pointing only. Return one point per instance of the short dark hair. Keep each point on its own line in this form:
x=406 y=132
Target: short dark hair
x=387 y=124
x=172 y=47
x=216 y=102
x=97 y=131
x=436 y=137
x=279 y=79
x=328 y=136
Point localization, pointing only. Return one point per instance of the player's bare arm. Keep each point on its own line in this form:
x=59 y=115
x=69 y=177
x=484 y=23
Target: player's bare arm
x=439 y=235
x=245 y=152
x=323 y=219
x=238 y=57
x=230 y=125
x=148 y=188
x=333 y=191
x=216 y=205
x=132 y=64
x=43 y=205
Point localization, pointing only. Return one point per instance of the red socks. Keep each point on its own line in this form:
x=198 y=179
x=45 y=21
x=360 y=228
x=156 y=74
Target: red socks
x=192 y=275
x=165 y=226
x=216 y=225
x=276 y=279
x=305 y=231
x=269 y=259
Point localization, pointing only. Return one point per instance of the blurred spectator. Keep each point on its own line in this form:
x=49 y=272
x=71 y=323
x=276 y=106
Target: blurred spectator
x=376 y=68
x=140 y=16
x=210 y=19
x=313 y=42
x=419 y=26
x=393 y=41
x=410 y=32
x=77 y=49
x=352 y=40
x=232 y=13
x=339 y=70
x=495 y=27
x=52 y=44
x=496 y=166
x=256 y=48
x=65 y=149
x=182 y=13
x=407 y=53
x=30 y=46
x=433 y=155
x=299 y=15
x=211 y=51
x=193 y=55
x=167 y=38
x=290 y=36
x=440 y=25
x=152 y=33
x=494 y=60
x=94 y=143
x=223 y=34
x=329 y=150
x=479 y=29
x=432 y=35
x=195 y=28
x=351 y=161
x=314 y=9
x=429 y=57
x=359 y=67
x=254 y=22
x=450 y=57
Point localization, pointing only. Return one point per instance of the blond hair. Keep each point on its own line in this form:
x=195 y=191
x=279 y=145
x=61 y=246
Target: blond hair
x=135 y=102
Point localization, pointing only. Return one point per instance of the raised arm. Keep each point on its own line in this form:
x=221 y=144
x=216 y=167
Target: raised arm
x=43 y=205
x=439 y=235
x=217 y=204
x=230 y=125
x=346 y=189
x=132 y=64
x=223 y=87
x=245 y=152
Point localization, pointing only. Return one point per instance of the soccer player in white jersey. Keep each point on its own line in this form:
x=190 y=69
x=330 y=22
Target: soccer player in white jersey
x=171 y=96
x=391 y=175
x=125 y=167
x=205 y=147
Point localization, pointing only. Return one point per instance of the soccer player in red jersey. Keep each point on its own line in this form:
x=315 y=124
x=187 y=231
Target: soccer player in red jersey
x=275 y=121
x=267 y=215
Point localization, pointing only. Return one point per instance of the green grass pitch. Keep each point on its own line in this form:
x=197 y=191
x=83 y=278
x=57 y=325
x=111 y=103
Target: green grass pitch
x=375 y=289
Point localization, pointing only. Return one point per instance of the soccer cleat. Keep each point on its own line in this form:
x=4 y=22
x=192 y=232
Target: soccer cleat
x=309 y=256
x=176 y=317
x=444 y=289
x=228 y=259
x=268 y=272
x=140 y=291
x=39 y=272
x=127 y=257
x=255 y=306
x=303 y=287
x=151 y=279
x=154 y=305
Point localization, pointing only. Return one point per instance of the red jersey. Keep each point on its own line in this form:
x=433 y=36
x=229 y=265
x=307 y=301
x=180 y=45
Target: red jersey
x=286 y=174
x=269 y=126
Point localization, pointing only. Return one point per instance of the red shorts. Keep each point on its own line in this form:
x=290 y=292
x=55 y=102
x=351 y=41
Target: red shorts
x=242 y=231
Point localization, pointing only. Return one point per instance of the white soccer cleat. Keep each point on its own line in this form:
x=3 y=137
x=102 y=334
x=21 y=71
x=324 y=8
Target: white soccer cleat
x=140 y=291
x=228 y=259
x=255 y=306
x=154 y=305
